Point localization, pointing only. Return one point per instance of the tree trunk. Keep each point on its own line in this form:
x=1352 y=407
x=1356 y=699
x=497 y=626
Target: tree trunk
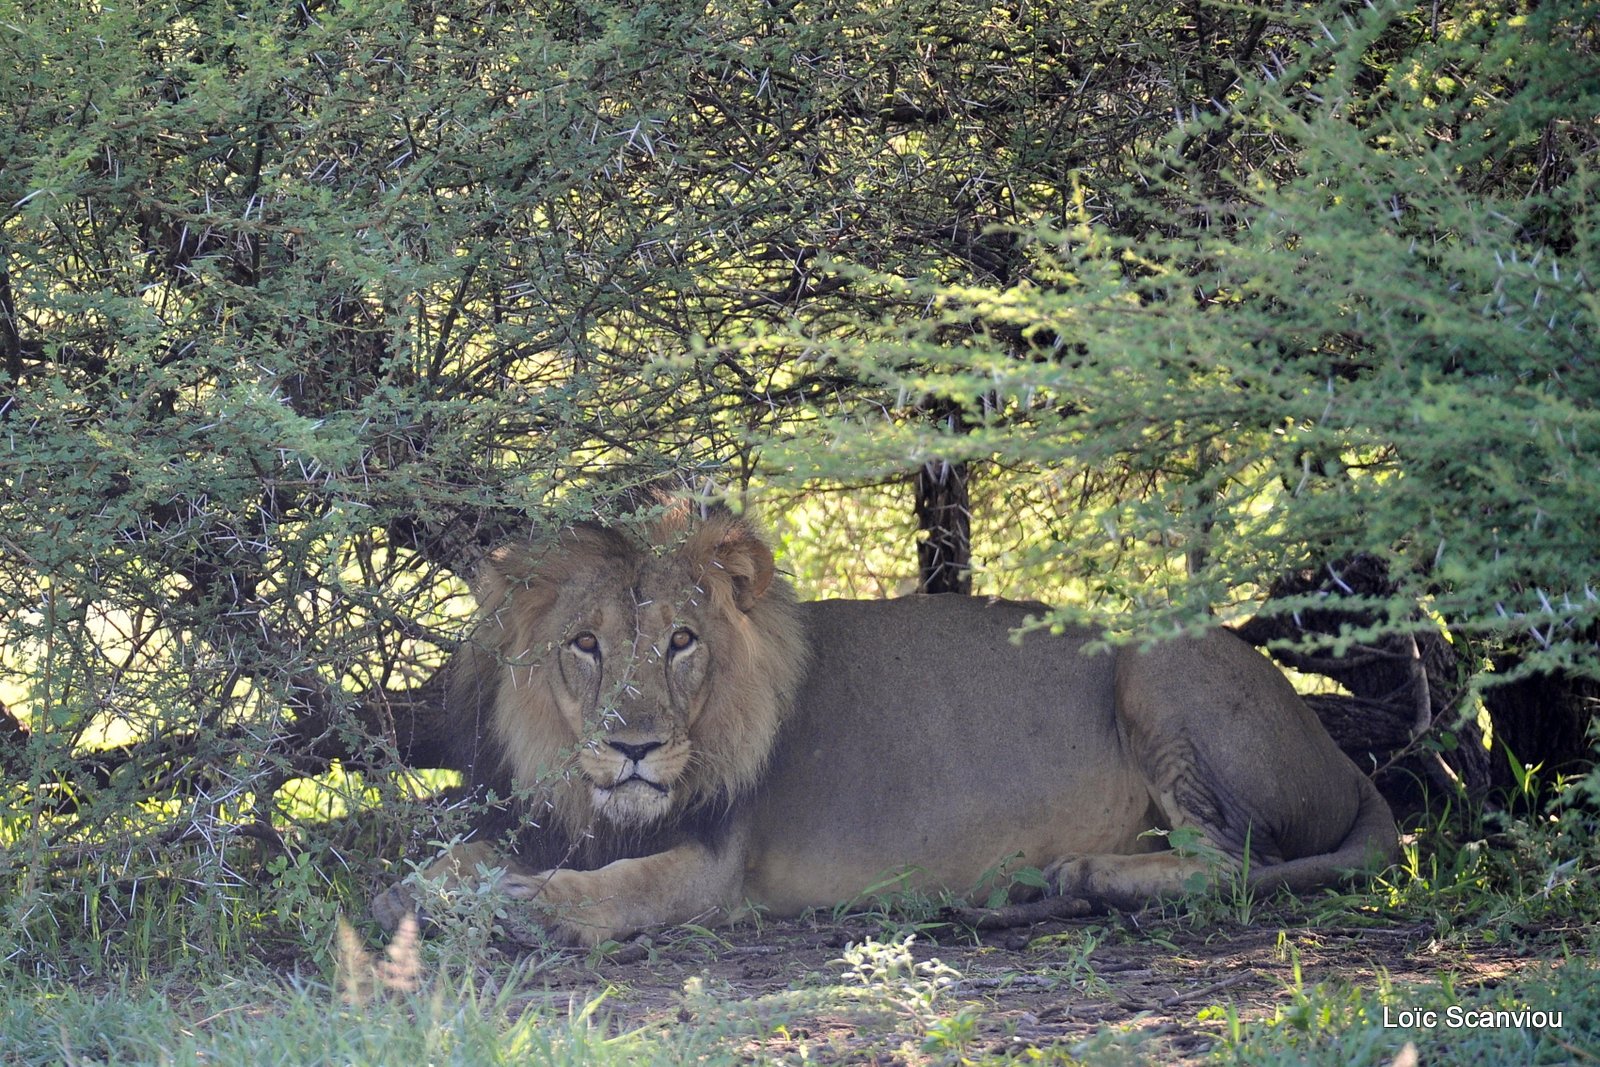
x=1543 y=720
x=944 y=528
x=418 y=723
x=13 y=739
x=944 y=513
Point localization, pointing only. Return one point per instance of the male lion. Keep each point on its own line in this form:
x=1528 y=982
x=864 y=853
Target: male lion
x=687 y=740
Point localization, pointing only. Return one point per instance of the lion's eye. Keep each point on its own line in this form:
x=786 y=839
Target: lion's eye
x=682 y=640
x=586 y=643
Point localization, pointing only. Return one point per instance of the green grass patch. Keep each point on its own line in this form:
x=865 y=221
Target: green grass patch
x=167 y=958
x=882 y=1000
x=250 y=1023
x=1547 y=1013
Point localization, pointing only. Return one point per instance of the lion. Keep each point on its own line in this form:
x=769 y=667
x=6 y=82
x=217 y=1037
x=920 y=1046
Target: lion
x=686 y=742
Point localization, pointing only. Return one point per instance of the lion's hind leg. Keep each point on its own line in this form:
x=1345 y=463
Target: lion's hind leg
x=1245 y=782
x=1132 y=882
x=1202 y=853
x=1206 y=855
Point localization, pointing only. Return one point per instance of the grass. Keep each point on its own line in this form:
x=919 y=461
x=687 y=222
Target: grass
x=1345 y=1024
x=445 y=1019
x=917 y=1013
x=1486 y=913
x=252 y=1023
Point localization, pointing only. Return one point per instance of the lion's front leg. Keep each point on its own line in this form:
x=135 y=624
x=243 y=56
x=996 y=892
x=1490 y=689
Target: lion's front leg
x=688 y=883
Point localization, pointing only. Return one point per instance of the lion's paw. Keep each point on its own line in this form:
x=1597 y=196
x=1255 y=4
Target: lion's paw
x=568 y=906
x=390 y=907
x=1069 y=877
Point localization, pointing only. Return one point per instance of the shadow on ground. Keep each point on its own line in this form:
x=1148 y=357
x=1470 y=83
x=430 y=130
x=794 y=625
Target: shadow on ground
x=1168 y=987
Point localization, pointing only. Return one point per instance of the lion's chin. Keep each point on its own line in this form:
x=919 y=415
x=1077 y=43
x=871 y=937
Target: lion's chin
x=635 y=802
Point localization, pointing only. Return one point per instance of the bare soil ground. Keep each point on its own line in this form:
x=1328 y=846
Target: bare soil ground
x=1048 y=987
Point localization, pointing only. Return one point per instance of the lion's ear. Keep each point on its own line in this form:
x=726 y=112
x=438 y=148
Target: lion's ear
x=510 y=574
x=748 y=561
x=490 y=582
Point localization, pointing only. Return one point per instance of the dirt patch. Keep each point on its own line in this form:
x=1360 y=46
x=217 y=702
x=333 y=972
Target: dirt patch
x=1167 y=986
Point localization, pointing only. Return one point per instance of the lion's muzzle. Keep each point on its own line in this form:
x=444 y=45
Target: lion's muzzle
x=635 y=793
x=633 y=751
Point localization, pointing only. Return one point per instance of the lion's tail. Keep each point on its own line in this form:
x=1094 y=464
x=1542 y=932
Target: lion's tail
x=1370 y=845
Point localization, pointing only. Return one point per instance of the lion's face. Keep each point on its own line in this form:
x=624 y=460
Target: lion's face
x=631 y=673
x=645 y=675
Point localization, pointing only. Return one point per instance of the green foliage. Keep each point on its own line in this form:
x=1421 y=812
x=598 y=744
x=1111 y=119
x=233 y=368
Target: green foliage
x=886 y=972
x=1498 y=875
x=1357 y=319
x=303 y=306
x=1344 y=1024
x=451 y=1023
x=879 y=998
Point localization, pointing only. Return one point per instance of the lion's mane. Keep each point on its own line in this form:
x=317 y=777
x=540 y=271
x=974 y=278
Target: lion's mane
x=745 y=613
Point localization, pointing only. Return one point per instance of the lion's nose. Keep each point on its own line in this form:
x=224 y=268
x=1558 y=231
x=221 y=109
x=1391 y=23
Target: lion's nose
x=633 y=751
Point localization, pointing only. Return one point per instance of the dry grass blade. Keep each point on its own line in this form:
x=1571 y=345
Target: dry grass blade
x=361 y=975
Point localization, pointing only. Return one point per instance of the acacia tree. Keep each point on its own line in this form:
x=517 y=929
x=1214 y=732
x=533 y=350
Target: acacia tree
x=302 y=306
x=1344 y=358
